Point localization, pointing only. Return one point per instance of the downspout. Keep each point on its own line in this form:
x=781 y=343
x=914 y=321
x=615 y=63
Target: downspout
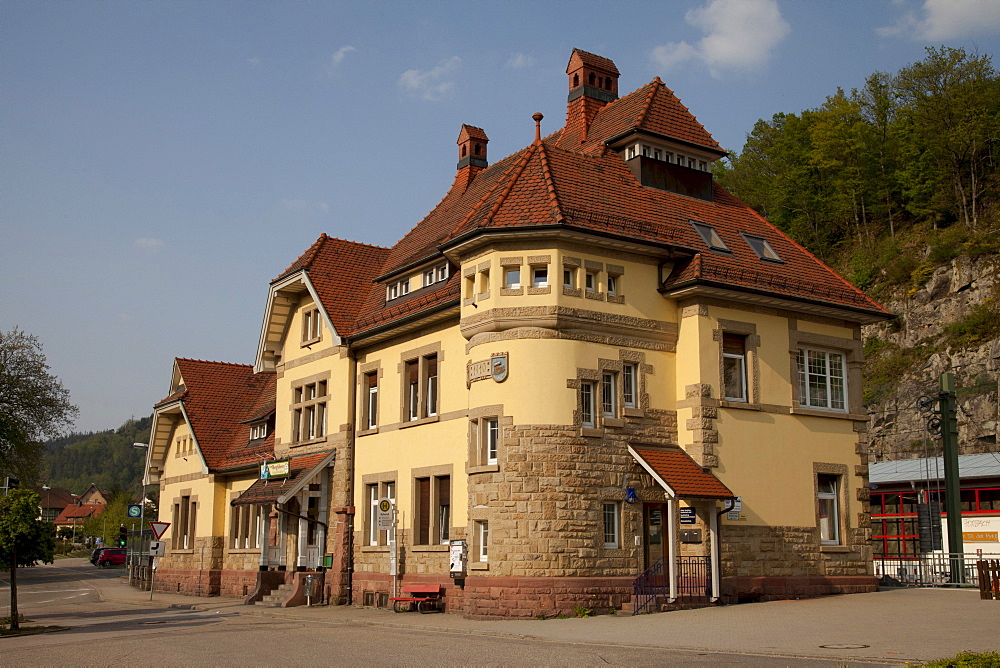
x=349 y=517
x=717 y=549
x=672 y=547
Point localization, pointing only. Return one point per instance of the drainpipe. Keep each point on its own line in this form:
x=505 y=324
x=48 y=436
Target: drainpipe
x=349 y=517
x=716 y=529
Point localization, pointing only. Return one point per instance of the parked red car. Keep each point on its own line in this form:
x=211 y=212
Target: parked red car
x=112 y=556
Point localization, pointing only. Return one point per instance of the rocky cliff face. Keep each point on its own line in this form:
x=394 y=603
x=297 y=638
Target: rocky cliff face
x=912 y=352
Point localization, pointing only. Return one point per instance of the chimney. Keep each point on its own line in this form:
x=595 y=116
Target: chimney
x=472 y=143
x=593 y=83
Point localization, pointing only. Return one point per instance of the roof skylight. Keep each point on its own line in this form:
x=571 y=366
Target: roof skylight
x=761 y=248
x=710 y=236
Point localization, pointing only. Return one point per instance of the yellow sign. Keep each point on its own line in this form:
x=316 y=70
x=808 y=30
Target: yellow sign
x=271 y=470
x=981 y=536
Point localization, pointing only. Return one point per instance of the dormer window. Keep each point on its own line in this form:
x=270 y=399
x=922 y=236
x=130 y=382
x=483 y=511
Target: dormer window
x=398 y=289
x=761 y=248
x=435 y=275
x=710 y=236
x=258 y=430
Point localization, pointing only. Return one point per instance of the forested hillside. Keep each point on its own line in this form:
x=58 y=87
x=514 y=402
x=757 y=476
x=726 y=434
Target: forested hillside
x=896 y=185
x=105 y=458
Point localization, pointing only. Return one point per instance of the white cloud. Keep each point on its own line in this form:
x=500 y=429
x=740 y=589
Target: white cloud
x=739 y=35
x=431 y=84
x=125 y=317
x=148 y=244
x=520 y=61
x=946 y=19
x=254 y=60
x=338 y=57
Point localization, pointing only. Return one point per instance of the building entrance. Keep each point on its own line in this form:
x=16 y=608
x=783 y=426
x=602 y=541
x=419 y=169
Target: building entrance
x=653 y=515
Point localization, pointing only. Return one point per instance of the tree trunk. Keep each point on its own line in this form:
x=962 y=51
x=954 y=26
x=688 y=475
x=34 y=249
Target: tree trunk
x=14 y=624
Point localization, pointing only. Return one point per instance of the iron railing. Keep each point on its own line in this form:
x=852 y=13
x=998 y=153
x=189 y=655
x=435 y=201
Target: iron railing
x=932 y=569
x=694 y=582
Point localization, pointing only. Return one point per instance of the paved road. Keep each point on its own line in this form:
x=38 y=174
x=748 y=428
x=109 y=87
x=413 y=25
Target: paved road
x=77 y=581
x=125 y=627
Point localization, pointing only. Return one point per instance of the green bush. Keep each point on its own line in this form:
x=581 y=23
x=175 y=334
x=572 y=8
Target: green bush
x=969 y=659
x=981 y=324
x=883 y=372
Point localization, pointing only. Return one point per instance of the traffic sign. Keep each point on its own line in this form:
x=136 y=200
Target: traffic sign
x=159 y=528
x=385 y=520
x=135 y=511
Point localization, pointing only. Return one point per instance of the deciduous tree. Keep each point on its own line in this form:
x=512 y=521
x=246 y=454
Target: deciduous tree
x=24 y=539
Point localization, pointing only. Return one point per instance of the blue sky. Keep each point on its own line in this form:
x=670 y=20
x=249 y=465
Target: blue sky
x=162 y=161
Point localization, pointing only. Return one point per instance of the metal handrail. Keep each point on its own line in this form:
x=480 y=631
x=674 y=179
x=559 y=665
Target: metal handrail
x=650 y=584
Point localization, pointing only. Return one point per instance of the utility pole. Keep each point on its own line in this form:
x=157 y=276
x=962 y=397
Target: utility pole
x=952 y=483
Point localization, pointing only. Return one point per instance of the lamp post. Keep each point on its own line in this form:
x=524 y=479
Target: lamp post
x=45 y=510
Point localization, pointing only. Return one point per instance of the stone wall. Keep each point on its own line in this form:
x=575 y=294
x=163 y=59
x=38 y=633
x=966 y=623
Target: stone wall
x=527 y=598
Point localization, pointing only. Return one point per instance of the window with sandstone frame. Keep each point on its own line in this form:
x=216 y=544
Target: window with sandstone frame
x=311 y=326
x=309 y=403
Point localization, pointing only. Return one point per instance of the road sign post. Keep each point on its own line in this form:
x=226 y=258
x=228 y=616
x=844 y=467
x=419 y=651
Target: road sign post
x=158 y=528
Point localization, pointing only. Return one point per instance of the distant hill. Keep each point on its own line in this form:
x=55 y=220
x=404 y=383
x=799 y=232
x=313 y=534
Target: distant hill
x=105 y=458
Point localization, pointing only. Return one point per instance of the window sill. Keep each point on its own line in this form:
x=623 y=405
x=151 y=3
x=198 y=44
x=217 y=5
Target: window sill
x=613 y=422
x=835 y=414
x=634 y=412
x=590 y=294
x=430 y=548
x=243 y=550
x=511 y=292
x=314 y=441
x=479 y=566
x=540 y=290
x=841 y=549
x=306 y=344
x=591 y=432
x=742 y=405
x=616 y=299
x=485 y=468
x=179 y=551
x=572 y=292
x=368 y=432
x=417 y=423
x=375 y=548
x=482 y=296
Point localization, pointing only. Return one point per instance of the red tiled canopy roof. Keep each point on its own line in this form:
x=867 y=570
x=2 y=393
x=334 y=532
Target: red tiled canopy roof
x=268 y=491
x=680 y=473
x=79 y=512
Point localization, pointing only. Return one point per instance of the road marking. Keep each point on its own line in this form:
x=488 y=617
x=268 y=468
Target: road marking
x=49 y=591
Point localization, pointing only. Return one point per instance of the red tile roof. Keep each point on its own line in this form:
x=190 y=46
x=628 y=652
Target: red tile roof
x=268 y=491
x=552 y=183
x=471 y=132
x=342 y=273
x=218 y=398
x=653 y=108
x=592 y=60
x=79 y=512
x=676 y=468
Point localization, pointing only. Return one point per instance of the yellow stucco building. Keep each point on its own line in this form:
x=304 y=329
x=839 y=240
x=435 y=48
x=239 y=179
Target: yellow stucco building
x=590 y=377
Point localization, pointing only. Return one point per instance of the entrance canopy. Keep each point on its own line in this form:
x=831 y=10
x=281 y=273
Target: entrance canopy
x=302 y=470
x=678 y=474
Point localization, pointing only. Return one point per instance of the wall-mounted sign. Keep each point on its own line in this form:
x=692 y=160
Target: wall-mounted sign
x=495 y=367
x=687 y=516
x=734 y=514
x=275 y=469
x=385 y=520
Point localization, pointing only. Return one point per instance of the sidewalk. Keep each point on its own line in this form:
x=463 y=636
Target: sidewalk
x=890 y=626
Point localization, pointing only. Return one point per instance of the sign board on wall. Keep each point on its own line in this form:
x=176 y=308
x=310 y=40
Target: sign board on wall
x=687 y=516
x=496 y=367
x=734 y=514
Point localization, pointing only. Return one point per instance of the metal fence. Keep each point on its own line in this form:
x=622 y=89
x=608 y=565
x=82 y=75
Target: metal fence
x=933 y=569
x=138 y=559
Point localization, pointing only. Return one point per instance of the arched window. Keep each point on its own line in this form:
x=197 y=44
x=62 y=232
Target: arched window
x=463 y=150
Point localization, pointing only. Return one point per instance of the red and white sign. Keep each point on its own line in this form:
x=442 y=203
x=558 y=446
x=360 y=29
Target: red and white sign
x=159 y=528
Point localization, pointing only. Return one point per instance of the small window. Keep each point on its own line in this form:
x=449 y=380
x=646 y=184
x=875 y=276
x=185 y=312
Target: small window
x=258 y=430
x=311 y=325
x=702 y=165
x=612 y=526
x=371 y=405
x=710 y=236
x=569 y=278
x=645 y=151
x=629 y=392
x=761 y=248
x=668 y=157
x=431 y=366
x=630 y=153
x=829 y=521
x=591 y=281
x=512 y=278
x=470 y=287
x=612 y=285
x=657 y=154
x=492 y=438
x=609 y=394
x=484 y=281
x=442 y=271
x=428 y=277
x=411 y=374
x=691 y=163
x=734 y=366
x=482 y=537
x=539 y=277
x=587 y=404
